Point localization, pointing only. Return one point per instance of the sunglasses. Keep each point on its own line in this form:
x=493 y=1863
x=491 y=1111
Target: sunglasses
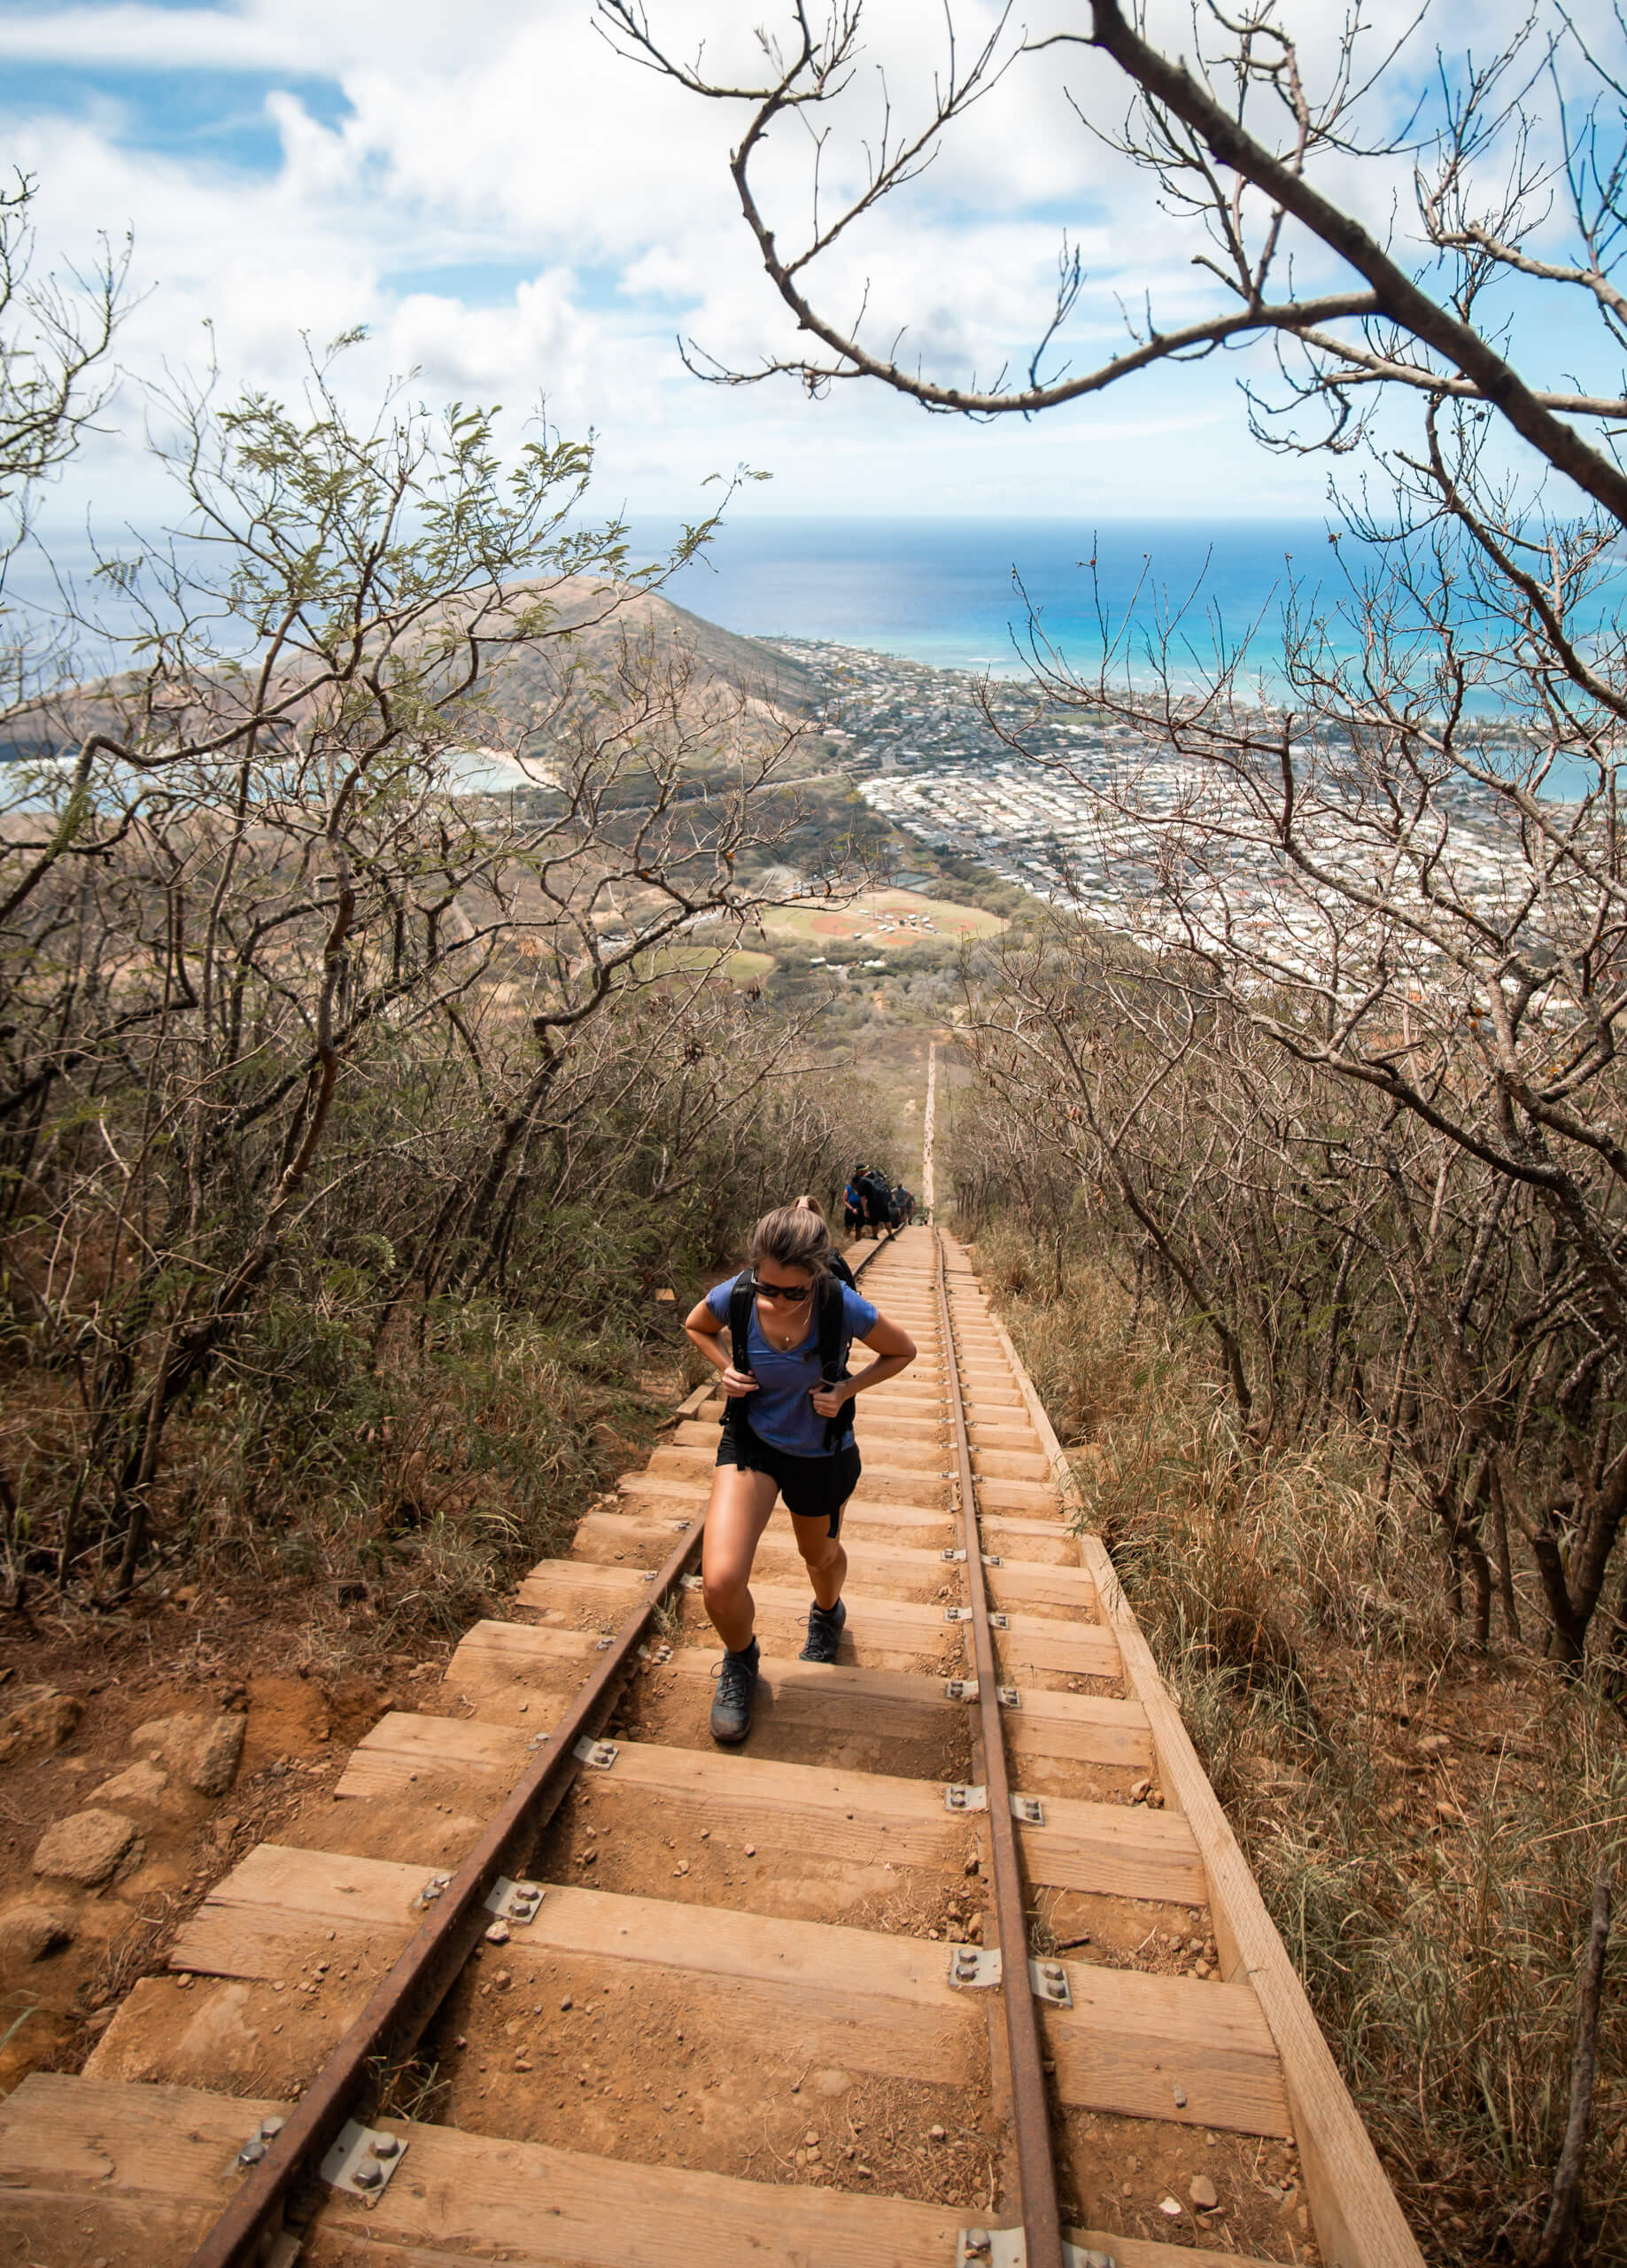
x=794 y=1294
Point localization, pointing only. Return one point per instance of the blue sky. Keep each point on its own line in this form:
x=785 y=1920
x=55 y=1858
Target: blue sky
x=512 y=212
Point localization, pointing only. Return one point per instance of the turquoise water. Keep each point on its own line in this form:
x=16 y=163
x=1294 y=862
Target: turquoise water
x=955 y=592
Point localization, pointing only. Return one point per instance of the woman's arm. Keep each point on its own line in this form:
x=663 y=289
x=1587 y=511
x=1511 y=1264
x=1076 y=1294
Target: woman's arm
x=894 y=1351
x=704 y=1332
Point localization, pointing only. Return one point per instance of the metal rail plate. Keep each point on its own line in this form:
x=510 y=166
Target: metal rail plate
x=1008 y=2248
x=514 y=1901
x=362 y=2160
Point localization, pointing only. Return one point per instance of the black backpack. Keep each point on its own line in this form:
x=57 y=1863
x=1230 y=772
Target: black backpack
x=834 y=1342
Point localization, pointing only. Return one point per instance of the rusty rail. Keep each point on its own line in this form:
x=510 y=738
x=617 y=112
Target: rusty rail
x=1030 y=2112
x=407 y=1999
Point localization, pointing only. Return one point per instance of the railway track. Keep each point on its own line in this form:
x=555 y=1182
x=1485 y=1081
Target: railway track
x=956 y=1962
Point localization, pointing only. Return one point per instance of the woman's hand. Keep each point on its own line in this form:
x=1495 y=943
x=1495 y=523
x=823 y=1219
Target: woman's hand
x=736 y=1383
x=829 y=1401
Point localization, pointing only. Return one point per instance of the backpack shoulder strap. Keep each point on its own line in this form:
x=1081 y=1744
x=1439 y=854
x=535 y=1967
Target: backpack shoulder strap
x=832 y=1337
x=739 y=1339
x=739 y=1320
x=834 y=1342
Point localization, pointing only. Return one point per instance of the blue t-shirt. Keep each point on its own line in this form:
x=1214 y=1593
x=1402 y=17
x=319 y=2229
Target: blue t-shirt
x=780 y=1411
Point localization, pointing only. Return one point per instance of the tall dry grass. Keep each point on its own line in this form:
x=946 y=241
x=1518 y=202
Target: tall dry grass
x=1434 y=1899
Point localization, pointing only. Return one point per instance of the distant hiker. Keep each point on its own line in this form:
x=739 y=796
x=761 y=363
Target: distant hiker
x=853 y=1200
x=876 y=1192
x=903 y=1207
x=787 y=1432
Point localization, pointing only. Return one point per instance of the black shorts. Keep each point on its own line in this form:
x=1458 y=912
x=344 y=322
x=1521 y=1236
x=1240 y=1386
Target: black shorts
x=814 y=1488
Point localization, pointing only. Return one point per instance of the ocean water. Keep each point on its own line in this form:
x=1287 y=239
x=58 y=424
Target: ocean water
x=958 y=593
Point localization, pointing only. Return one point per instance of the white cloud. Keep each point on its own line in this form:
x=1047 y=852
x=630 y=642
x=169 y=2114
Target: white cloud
x=512 y=139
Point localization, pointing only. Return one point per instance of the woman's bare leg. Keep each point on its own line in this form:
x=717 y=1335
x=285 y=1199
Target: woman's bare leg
x=739 y=1512
x=823 y=1555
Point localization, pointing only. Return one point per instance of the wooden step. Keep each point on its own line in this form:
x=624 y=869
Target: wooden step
x=138 y=2174
x=882 y=2003
x=1034 y=1642
x=469 y=2192
x=997 y=1434
x=1010 y=1465
x=1089 y=1728
x=1039 y=1543
x=584 y=1586
x=1114 y=1850
x=1036 y=1496
x=408 y=1758
x=1167 y=2047
x=405 y=1750
x=861 y=1818
x=509 y=1671
x=1015 y=1583
x=629 y=1538
x=91 y=2169
x=281 y=1910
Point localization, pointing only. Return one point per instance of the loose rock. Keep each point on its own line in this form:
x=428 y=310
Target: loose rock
x=41 y=1718
x=29 y=1932
x=1204 y=2193
x=86 y=1846
x=202 y=1751
x=143 y=1784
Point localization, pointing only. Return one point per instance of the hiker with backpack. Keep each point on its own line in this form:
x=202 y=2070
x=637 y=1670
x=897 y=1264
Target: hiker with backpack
x=788 y=1433
x=853 y=1201
x=875 y=1197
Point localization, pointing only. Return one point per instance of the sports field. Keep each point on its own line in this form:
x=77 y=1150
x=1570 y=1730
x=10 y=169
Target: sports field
x=882 y=920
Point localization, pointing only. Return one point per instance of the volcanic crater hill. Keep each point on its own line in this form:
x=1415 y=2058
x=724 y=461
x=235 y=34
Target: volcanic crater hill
x=601 y=615
x=616 y=630
x=643 y=653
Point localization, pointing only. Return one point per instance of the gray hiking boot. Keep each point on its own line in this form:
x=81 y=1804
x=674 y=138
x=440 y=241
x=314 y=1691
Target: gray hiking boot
x=824 y=1632
x=737 y=1681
